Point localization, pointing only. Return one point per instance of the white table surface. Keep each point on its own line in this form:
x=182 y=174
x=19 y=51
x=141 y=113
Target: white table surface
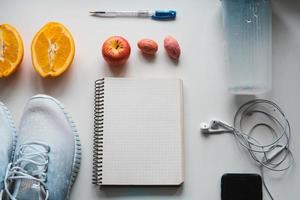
x=198 y=29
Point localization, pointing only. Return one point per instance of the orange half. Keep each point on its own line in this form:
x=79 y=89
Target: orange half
x=52 y=50
x=11 y=50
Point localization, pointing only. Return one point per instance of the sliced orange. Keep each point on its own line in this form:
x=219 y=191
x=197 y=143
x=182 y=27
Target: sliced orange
x=52 y=50
x=11 y=50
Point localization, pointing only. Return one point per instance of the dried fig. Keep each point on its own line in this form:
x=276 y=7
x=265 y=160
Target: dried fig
x=148 y=46
x=172 y=47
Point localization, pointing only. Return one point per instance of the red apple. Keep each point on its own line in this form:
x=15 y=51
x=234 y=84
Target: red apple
x=116 y=50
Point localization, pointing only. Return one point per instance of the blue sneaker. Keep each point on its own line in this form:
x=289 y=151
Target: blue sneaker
x=48 y=153
x=8 y=141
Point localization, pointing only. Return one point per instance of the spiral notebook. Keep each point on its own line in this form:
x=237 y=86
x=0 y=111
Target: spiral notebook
x=138 y=137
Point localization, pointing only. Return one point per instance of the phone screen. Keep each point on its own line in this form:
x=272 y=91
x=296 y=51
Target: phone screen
x=241 y=187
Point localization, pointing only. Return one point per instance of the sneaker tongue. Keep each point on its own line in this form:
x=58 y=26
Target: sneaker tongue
x=28 y=189
x=29 y=166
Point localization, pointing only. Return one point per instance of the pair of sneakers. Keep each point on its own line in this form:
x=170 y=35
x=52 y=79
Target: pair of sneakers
x=41 y=160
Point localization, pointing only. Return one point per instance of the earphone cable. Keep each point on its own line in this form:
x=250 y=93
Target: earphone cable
x=280 y=128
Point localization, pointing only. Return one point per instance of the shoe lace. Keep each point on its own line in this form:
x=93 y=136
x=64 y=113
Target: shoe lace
x=29 y=154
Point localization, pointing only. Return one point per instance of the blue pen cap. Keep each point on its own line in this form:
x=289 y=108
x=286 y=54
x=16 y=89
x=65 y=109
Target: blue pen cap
x=164 y=15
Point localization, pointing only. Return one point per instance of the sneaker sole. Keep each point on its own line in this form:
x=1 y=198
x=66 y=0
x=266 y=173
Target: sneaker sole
x=77 y=149
x=13 y=127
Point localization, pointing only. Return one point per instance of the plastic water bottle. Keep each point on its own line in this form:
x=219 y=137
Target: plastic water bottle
x=248 y=34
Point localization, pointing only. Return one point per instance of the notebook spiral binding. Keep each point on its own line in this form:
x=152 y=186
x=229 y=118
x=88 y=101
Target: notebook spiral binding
x=98 y=132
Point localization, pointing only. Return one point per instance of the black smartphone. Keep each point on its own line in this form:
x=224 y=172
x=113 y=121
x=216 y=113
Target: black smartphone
x=241 y=187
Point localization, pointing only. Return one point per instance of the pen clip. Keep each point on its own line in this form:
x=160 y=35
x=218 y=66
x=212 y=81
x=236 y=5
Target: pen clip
x=164 y=15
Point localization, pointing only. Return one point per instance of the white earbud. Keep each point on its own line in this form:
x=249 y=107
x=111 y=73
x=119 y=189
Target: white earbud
x=204 y=127
x=214 y=127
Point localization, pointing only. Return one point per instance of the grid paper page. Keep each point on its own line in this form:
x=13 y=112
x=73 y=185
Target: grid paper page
x=143 y=140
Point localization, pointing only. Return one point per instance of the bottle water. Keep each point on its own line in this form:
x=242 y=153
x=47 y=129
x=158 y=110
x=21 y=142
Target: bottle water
x=248 y=34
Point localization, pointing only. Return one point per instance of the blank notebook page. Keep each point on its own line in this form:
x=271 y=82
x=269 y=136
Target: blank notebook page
x=143 y=132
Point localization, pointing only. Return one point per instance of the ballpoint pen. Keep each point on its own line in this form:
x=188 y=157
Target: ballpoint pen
x=156 y=15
